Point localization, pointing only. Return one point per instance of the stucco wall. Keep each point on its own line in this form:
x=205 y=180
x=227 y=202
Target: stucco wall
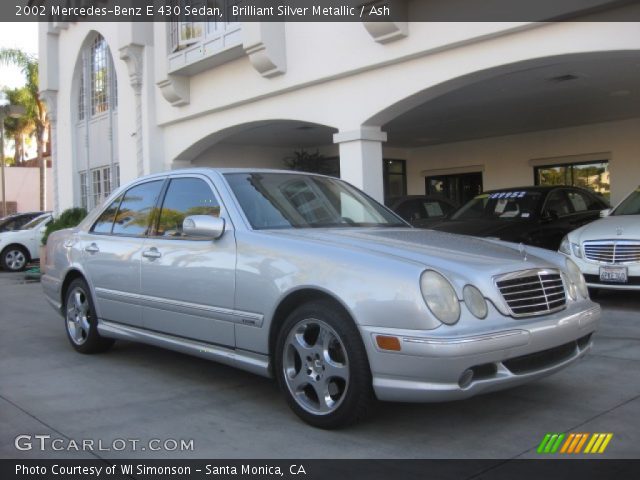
x=23 y=187
x=509 y=161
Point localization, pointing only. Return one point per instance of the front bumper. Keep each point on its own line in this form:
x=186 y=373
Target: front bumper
x=591 y=272
x=435 y=365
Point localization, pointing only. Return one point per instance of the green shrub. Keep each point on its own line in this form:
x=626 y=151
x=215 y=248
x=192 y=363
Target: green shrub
x=67 y=219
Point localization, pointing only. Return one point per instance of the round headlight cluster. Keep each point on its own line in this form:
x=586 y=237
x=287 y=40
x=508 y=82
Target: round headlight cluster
x=440 y=297
x=576 y=278
x=475 y=302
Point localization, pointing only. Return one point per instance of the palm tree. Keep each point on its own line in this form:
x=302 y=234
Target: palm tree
x=23 y=127
x=29 y=66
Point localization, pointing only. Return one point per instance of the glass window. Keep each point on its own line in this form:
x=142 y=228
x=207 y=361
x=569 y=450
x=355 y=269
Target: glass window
x=590 y=175
x=97 y=186
x=505 y=205
x=630 y=205
x=137 y=209
x=394 y=178
x=280 y=200
x=99 y=76
x=187 y=30
x=578 y=201
x=105 y=222
x=557 y=204
x=460 y=188
x=81 y=94
x=84 y=190
x=185 y=196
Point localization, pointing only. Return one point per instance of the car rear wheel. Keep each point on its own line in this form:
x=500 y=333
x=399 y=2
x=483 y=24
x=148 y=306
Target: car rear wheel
x=81 y=321
x=322 y=366
x=14 y=258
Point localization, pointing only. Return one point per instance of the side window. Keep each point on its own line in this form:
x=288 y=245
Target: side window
x=579 y=201
x=410 y=210
x=105 y=221
x=137 y=209
x=185 y=196
x=557 y=204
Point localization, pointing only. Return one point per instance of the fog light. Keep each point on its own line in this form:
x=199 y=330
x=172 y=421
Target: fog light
x=388 y=343
x=466 y=378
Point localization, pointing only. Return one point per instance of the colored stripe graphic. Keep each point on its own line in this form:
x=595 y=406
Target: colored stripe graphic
x=574 y=442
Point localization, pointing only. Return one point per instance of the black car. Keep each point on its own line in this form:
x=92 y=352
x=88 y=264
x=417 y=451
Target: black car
x=17 y=220
x=539 y=216
x=422 y=210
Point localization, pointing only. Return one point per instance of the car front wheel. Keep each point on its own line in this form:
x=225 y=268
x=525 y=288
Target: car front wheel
x=14 y=258
x=81 y=321
x=322 y=366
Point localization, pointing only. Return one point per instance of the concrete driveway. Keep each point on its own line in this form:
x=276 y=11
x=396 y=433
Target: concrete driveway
x=140 y=392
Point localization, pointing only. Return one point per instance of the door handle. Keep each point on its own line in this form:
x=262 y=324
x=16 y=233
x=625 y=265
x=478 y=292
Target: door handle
x=93 y=248
x=152 y=253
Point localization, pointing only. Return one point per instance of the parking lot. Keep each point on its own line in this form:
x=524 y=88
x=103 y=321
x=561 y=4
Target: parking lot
x=140 y=392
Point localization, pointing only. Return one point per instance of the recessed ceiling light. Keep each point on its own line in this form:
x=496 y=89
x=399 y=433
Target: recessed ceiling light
x=620 y=93
x=563 y=78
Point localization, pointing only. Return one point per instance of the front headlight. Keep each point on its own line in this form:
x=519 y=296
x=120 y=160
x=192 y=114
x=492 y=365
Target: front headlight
x=568 y=248
x=440 y=297
x=576 y=277
x=475 y=302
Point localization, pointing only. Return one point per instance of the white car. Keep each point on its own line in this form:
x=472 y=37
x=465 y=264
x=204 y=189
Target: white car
x=608 y=250
x=19 y=247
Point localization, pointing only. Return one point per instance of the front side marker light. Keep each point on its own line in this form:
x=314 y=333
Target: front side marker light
x=386 y=342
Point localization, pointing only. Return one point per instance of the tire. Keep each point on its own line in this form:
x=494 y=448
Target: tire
x=14 y=258
x=322 y=366
x=81 y=322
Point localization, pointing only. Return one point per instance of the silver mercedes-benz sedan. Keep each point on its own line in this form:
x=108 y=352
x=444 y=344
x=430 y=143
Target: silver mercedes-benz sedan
x=305 y=278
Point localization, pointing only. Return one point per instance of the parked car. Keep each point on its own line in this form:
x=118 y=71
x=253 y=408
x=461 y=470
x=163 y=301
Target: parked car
x=608 y=250
x=19 y=247
x=305 y=278
x=538 y=216
x=17 y=220
x=422 y=210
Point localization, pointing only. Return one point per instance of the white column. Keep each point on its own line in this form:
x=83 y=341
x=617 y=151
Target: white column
x=361 y=159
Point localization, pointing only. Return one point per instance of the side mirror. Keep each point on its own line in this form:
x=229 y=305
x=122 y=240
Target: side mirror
x=203 y=226
x=606 y=212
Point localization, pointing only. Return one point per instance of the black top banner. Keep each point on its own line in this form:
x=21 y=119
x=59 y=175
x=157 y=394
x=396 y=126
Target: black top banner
x=318 y=10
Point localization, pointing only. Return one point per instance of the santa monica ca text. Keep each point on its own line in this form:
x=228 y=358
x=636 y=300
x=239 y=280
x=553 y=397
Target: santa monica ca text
x=142 y=469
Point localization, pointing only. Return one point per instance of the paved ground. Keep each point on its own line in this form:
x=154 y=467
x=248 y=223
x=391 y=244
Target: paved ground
x=141 y=392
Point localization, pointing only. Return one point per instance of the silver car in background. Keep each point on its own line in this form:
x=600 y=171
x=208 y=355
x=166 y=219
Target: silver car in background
x=304 y=278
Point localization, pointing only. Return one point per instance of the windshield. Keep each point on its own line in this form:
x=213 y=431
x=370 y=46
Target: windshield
x=32 y=223
x=500 y=206
x=282 y=200
x=630 y=205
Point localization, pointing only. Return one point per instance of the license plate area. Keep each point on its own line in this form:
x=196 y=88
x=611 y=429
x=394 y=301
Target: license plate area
x=613 y=274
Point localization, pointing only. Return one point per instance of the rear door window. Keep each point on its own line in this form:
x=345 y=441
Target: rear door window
x=137 y=209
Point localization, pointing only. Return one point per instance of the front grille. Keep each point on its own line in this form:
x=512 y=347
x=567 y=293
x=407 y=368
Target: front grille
x=532 y=292
x=612 y=251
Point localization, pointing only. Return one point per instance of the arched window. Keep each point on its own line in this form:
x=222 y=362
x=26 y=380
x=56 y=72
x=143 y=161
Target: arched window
x=102 y=94
x=96 y=145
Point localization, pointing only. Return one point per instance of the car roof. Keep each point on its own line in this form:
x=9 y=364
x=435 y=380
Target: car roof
x=534 y=188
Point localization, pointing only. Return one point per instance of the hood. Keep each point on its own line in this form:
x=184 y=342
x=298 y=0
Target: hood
x=482 y=228
x=448 y=252
x=607 y=229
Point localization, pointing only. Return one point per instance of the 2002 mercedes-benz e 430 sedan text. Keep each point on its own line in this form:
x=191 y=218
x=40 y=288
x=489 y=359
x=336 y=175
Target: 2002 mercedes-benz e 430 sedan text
x=305 y=278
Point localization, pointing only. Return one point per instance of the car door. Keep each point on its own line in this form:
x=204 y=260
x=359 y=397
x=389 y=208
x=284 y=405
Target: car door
x=188 y=283
x=112 y=251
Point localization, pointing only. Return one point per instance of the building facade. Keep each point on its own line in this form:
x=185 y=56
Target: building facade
x=398 y=107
